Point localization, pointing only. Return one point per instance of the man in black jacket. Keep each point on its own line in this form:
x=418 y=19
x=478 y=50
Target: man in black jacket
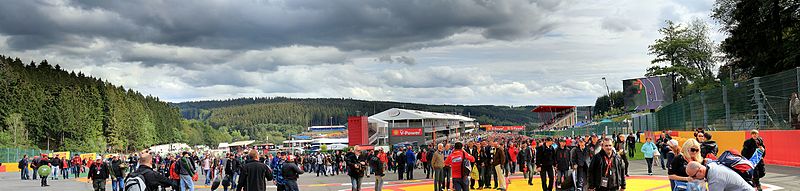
x=98 y=173
x=117 y=180
x=563 y=162
x=488 y=169
x=607 y=171
x=581 y=159
x=545 y=160
x=254 y=175
x=355 y=167
x=631 y=140
x=400 y=159
x=152 y=179
x=526 y=158
x=232 y=167
x=290 y=173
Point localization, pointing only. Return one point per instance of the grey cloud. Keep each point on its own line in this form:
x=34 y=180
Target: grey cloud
x=347 y=25
x=407 y=60
x=435 y=77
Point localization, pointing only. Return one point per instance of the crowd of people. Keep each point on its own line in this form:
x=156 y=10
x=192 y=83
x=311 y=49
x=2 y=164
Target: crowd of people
x=475 y=161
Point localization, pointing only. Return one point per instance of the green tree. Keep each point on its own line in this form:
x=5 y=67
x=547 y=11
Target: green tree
x=686 y=54
x=763 y=35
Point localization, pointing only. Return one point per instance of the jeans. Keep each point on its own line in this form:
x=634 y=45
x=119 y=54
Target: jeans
x=531 y=170
x=501 y=176
x=378 y=183
x=663 y=158
x=649 y=165
x=447 y=175
x=512 y=166
x=409 y=171
x=580 y=177
x=321 y=169
x=561 y=177
x=233 y=180
x=547 y=174
x=291 y=185
x=460 y=184
x=118 y=184
x=99 y=184
x=76 y=170
x=35 y=173
x=186 y=183
x=55 y=172
x=486 y=178
x=400 y=171
x=438 y=179
x=356 y=184
x=24 y=174
x=208 y=175
x=65 y=173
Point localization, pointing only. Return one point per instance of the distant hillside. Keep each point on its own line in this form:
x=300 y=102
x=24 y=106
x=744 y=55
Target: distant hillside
x=245 y=112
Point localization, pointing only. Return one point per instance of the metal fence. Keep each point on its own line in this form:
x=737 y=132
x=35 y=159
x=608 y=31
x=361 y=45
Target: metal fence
x=599 y=129
x=12 y=155
x=757 y=103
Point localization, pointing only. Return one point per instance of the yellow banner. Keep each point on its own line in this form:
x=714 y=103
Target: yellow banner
x=64 y=154
x=88 y=156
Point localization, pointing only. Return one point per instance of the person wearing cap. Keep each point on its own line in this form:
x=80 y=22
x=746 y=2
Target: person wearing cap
x=455 y=161
x=545 y=160
x=291 y=172
x=755 y=142
x=581 y=159
x=98 y=173
x=186 y=169
x=44 y=161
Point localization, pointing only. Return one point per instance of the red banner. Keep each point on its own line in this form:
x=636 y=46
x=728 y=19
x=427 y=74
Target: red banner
x=407 y=132
x=507 y=128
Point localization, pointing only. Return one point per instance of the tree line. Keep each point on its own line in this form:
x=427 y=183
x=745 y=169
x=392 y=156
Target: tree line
x=260 y=117
x=46 y=107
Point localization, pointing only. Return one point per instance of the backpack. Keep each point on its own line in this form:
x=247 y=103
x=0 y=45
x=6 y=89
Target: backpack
x=739 y=164
x=135 y=182
x=466 y=166
x=21 y=164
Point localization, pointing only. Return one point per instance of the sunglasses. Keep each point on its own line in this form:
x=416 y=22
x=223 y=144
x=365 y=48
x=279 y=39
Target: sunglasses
x=694 y=150
x=695 y=175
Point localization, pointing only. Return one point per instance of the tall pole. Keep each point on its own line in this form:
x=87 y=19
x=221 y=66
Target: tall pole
x=609 y=94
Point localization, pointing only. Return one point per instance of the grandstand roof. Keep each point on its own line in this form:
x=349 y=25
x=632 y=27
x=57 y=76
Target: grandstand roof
x=551 y=108
x=404 y=114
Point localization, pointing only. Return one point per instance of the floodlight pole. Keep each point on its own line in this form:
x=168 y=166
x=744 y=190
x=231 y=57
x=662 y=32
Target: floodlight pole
x=609 y=94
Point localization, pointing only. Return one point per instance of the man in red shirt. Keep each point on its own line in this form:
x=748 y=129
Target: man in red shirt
x=455 y=161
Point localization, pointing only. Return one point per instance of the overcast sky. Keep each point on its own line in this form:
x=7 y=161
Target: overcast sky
x=500 y=52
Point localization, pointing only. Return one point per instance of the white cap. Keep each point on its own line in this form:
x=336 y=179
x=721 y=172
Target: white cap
x=98 y=158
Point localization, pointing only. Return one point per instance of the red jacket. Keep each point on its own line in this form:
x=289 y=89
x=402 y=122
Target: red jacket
x=382 y=157
x=512 y=151
x=454 y=161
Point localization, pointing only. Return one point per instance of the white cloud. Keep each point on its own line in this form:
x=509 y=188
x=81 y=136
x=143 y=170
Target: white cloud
x=557 y=56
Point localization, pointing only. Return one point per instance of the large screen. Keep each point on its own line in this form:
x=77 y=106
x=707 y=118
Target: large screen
x=647 y=93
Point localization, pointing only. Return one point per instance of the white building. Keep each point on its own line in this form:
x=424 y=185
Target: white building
x=442 y=123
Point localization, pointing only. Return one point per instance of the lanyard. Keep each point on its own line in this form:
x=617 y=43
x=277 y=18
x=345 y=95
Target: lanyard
x=608 y=164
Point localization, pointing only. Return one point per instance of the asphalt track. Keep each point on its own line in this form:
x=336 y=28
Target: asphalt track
x=778 y=178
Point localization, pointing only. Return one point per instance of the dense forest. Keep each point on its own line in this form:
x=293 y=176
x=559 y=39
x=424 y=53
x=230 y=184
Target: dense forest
x=253 y=116
x=43 y=106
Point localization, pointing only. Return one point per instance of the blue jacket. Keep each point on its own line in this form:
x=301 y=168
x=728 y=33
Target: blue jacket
x=410 y=157
x=648 y=149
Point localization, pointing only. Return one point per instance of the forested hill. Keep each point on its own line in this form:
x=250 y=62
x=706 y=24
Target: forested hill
x=245 y=112
x=43 y=106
